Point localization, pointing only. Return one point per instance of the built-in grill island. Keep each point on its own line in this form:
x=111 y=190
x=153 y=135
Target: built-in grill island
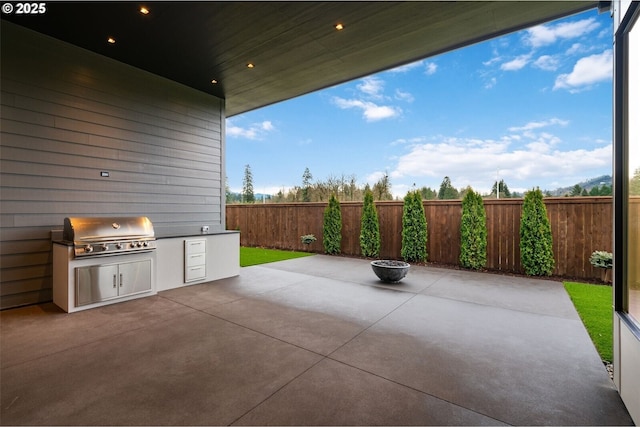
x=102 y=260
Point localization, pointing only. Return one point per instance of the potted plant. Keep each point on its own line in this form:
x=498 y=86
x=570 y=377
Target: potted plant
x=308 y=239
x=604 y=260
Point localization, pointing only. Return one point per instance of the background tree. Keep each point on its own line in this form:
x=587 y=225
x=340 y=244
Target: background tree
x=247 y=186
x=227 y=191
x=414 y=229
x=382 y=189
x=332 y=226
x=427 y=193
x=634 y=183
x=369 y=228
x=306 y=185
x=447 y=191
x=279 y=197
x=463 y=192
x=606 y=190
x=504 y=189
x=351 y=189
x=536 y=241
x=473 y=232
x=576 y=190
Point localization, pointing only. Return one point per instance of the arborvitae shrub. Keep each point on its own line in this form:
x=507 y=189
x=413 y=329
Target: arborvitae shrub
x=414 y=229
x=473 y=232
x=369 y=228
x=332 y=228
x=536 y=241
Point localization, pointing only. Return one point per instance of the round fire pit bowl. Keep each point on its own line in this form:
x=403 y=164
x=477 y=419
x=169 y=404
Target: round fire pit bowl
x=390 y=271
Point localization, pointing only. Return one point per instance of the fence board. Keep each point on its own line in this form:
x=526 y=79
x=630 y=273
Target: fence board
x=579 y=225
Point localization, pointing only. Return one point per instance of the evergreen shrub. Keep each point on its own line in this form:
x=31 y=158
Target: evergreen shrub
x=414 y=229
x=536 y=241
x=332 y=227
x=473 y=232
x=369 y=228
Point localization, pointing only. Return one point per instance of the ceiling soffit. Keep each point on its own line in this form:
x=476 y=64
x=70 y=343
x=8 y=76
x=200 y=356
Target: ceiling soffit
x=294 y=45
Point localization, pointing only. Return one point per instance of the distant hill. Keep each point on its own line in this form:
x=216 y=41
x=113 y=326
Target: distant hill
x=588 y=185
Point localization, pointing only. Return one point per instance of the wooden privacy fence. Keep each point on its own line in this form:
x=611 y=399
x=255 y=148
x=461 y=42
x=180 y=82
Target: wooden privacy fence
x=580 y=225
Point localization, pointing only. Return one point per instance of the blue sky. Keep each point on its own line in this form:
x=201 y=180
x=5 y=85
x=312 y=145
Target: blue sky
x=533 y=108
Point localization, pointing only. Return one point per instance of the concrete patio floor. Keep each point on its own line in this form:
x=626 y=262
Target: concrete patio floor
x=312 y=341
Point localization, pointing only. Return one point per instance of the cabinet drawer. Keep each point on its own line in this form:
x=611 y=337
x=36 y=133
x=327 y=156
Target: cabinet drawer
x=196 y=259
x=196 y=246
x=195 y=273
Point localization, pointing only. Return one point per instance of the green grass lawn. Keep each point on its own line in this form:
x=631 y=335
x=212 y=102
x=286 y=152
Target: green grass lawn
x=255 y=256
x=594 y=304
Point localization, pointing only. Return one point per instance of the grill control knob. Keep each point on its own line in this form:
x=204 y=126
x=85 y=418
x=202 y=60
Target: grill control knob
x=118 y=245
x=133 y=244
x=88 y=248
x=105 y=247
x=145 y=244
x=139 y=244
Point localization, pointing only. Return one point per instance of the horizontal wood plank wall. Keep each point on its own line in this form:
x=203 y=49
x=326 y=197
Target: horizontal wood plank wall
x=580 y=225
x=67 y=115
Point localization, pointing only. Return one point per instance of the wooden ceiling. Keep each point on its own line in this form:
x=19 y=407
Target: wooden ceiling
x=294 y=45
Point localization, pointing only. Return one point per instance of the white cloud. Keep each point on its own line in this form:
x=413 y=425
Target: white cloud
x=373 y=113
x=475 y=163
x=374 y=177
x=369 y=98
x=575 y=48
x=547 y=63
x=401 y=141
x=371 y=87
x=407 y=67
x=238 y=132
x=431 y=68
x=537 y=125
x=492 y=61
x=491 y=83
x=543 y=35
x=527 y=156
x=370 y=111
x=539 y=147
x=587 y=71
x=404 y=96
x=516 y=63
x=254 y=131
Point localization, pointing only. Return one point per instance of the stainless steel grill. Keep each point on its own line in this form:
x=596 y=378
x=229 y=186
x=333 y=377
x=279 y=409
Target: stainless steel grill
x=102 y=236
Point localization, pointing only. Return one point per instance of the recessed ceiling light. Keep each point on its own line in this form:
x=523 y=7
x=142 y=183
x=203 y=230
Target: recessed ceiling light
x=250 y=65
x=144 y=10
x=214 y=81
x=339 y=27
x=111 y=40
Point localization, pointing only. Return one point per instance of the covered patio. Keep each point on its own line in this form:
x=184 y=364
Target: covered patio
x=312 y=341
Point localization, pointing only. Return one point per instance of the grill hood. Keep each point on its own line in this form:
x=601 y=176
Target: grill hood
x=97 y=229
x=109 y=235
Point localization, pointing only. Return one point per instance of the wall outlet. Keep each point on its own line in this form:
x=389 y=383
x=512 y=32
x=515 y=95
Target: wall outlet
x=205 y=229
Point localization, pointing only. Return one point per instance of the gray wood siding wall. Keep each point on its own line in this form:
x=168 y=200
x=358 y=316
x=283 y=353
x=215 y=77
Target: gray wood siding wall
x=68 y=114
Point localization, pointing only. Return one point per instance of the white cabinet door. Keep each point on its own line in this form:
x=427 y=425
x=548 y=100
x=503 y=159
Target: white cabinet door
x=96 y=283
x=134 y=277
